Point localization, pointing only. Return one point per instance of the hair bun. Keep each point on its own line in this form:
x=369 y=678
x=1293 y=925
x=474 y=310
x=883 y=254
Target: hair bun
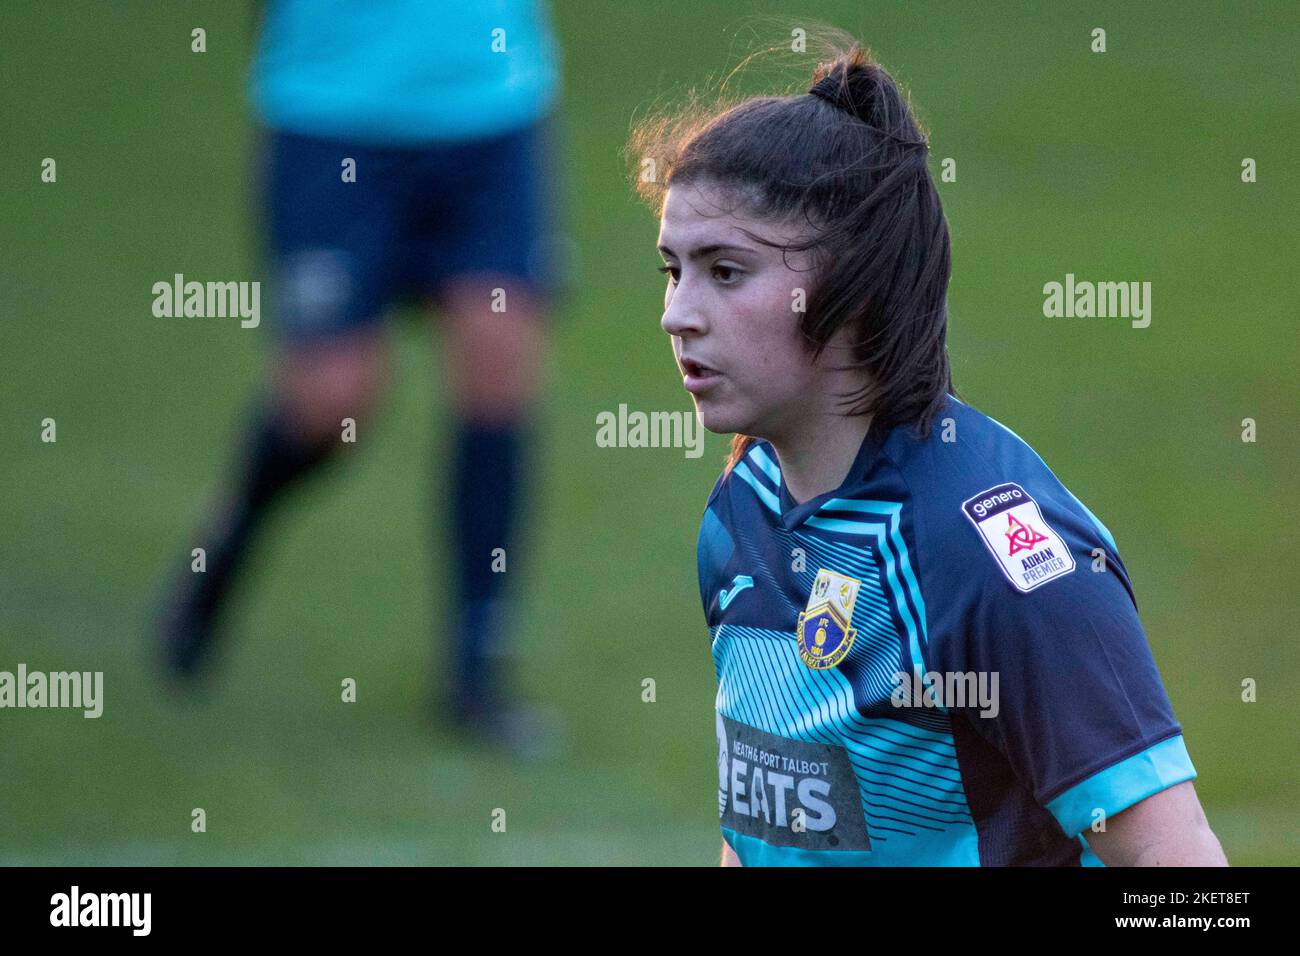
x=858 y=89
x=850 y=88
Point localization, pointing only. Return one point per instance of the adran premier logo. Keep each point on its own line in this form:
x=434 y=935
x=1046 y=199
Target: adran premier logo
x=823 y=626
x=1024 y=545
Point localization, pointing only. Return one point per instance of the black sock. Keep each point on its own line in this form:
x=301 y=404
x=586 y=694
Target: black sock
x=275 y=457
x=485 y=490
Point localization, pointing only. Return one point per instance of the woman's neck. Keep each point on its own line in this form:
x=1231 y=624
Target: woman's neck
x=815 y=461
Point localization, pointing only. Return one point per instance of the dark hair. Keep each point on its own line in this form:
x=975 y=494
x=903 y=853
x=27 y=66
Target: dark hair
x=849 y=161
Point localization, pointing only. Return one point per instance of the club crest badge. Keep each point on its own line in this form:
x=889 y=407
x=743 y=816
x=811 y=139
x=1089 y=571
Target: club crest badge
x=1014 y=530
x=825 y=636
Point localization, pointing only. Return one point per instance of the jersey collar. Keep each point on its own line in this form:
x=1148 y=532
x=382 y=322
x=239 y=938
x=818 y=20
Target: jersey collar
x=794 y=514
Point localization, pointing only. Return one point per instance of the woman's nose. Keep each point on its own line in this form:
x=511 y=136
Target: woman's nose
x=681 y=317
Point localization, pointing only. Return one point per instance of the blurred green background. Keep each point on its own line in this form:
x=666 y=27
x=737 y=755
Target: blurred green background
x=1123 y=165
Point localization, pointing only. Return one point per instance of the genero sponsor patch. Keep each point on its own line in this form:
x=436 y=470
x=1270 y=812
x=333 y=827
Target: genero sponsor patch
x=788 y=792
x=1027 y=550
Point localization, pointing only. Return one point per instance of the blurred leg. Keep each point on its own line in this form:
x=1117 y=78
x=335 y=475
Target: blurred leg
x=484 y=228
x=290 y=437
x=318 y=386
x=494 y=364
x=493 y=359
x=329 y=244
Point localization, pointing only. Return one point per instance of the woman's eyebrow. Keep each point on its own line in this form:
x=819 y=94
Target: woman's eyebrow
x=701 y=251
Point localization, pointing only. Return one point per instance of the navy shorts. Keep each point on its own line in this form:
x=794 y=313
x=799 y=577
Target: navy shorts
x=340 y=253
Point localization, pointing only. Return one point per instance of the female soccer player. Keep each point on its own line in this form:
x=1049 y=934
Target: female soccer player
x=927 y=649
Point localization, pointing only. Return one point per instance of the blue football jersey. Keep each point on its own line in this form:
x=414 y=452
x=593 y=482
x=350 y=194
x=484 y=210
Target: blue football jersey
x=405 y=71
x=940 y=663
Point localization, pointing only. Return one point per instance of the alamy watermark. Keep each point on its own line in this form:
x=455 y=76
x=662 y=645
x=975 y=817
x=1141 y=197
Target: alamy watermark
x=75 y=908
x=650 y=430
x=1103 y=300
x=208 y=300
x=76 y=690
x=950 y=689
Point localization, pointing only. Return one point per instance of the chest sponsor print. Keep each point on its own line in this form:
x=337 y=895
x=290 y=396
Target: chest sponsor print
x=788 y=792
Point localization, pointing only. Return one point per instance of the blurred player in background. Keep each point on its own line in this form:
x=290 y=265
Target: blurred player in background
x=406 y=155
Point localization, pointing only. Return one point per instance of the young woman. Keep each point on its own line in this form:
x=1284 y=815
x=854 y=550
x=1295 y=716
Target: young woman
x=927 y=649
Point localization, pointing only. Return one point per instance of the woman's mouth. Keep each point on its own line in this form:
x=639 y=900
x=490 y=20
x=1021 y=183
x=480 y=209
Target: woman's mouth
x=698 y=377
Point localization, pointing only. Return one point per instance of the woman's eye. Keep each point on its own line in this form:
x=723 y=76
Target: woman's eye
x=727 y=275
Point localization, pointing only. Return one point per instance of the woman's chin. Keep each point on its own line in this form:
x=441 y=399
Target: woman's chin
x=717 y=419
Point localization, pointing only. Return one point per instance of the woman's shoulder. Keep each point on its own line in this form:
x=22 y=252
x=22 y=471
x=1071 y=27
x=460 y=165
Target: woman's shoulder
x=965 y=453
x=975 y=487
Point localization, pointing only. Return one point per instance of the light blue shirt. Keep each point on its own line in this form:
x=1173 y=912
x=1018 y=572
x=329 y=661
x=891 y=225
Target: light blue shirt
x=404 y=71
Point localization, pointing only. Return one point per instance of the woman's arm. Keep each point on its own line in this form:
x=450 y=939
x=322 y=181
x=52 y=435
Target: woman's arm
x=1166 y=829
x=729 y=857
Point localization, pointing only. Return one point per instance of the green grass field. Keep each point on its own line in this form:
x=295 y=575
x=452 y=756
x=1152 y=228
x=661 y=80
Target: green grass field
x=1122 y=165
